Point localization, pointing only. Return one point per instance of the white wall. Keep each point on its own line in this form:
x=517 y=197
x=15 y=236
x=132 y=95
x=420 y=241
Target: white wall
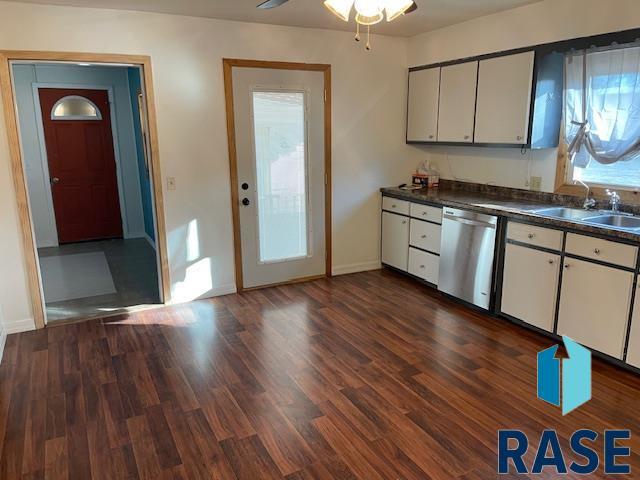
x=368 y=130
x=25 y=76
x=543 y=22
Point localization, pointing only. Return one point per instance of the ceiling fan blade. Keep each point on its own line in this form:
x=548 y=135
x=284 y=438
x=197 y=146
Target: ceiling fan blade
x=411 y=9
x=271 y=4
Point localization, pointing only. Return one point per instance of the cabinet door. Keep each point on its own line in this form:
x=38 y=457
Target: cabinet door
x=395 y=240
x=504 y=99
x=457 y=102
x=530 y=286
x=594 y=305
x=422 y=108
x=633 y=354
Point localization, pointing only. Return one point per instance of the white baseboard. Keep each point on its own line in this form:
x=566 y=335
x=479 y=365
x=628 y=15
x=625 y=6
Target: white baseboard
x=356 y=267
x=151 y=242
x=19 y=326
x=224 y=290
x=214 y=292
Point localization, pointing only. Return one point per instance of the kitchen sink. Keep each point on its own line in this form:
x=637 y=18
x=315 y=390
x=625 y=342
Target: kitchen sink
x=565 y=213
x=616 y=221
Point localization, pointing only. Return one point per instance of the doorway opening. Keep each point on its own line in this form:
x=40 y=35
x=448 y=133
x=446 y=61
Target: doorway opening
x=90 y=173
x=279 y=132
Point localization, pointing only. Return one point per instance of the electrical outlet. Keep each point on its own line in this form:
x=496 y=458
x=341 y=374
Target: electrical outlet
x=171 y=183
x=535 y=184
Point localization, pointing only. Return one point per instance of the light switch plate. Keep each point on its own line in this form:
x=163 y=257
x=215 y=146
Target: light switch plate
x=536 y=184
x=171 y=183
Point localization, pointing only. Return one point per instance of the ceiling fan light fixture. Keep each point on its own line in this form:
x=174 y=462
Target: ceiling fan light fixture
x=340 y=8
x=369 y=20
x=369 y=8
x=395 y=8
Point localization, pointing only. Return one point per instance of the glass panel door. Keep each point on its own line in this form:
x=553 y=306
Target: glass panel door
x=281 y=175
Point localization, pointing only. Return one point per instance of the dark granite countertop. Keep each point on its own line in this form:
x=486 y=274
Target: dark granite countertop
x=501 y=203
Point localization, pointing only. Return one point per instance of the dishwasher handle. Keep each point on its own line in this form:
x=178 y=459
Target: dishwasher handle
x=466 y=221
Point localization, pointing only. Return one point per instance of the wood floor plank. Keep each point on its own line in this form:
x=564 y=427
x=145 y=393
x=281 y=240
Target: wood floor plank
x=365 y=376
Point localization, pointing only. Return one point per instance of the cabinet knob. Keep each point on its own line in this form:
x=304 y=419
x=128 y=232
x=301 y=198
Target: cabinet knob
x=404 y=222
x=551 y=262
x=531 y=236
x=597 y=251
x=466 y=137
x=422 y=266
x=519 y=137
x=430 y=136
x=423 y=236
x=424 y=214
x=567 y=265
x=393 y=206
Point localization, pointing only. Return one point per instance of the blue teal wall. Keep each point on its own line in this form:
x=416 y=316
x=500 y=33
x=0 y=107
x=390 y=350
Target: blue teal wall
x=135 y=86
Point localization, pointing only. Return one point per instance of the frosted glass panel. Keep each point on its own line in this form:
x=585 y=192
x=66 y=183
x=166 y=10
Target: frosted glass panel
x=75 y=108
x=279 y=126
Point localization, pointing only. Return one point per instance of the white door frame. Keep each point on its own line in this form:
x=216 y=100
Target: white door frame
x=45 y=160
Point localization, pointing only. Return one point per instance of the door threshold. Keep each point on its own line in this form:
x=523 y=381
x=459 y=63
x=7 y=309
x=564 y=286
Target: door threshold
x=103 y=315
x=288 y=282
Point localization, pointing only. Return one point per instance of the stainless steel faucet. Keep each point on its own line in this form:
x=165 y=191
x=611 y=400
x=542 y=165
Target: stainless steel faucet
x=589 y=202
x=614 y=200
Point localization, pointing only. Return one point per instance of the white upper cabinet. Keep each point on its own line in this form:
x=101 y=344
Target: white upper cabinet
x=504 y=99
x=457 y=102
x=422 y=108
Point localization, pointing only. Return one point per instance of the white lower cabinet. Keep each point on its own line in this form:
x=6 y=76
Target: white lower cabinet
x=395 y=240
x=424 y=265
x=594 y=305
x=530 y=286
x=633 y=354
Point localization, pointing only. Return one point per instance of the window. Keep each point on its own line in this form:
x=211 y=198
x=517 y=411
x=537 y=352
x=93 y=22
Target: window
x=281 y=174
x=74 y=107
x=602 y=116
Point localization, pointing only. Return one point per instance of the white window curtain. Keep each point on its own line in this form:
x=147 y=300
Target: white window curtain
x=603 y=105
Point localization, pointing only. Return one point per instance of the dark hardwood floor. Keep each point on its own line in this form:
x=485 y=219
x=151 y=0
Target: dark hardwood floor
x=367 y=376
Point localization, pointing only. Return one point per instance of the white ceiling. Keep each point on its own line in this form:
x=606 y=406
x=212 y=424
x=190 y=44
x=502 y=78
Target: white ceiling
x=431 y=14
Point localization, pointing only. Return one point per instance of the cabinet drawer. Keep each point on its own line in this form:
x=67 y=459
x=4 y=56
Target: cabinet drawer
x=396 y=206
x=603 y=250
x=425 y=235
x=425 y=212
x=424 y=265
x=538 y=236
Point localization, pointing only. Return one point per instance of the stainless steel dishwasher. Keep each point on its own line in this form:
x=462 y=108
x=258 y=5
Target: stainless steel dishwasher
x=466 y=255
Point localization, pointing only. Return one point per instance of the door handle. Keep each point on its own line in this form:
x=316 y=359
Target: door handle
x=246 y=202
x=54 y=180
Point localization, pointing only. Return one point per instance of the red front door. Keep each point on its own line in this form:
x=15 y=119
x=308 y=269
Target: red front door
x=82 y=168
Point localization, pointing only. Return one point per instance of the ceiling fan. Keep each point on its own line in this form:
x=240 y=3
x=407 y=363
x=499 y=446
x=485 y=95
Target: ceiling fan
x=267 y=4
x=368 y=12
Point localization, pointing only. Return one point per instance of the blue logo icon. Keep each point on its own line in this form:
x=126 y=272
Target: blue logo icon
x=576 y=376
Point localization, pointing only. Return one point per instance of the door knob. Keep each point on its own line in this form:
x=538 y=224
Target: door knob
x=246 y=202
x=54 y=180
